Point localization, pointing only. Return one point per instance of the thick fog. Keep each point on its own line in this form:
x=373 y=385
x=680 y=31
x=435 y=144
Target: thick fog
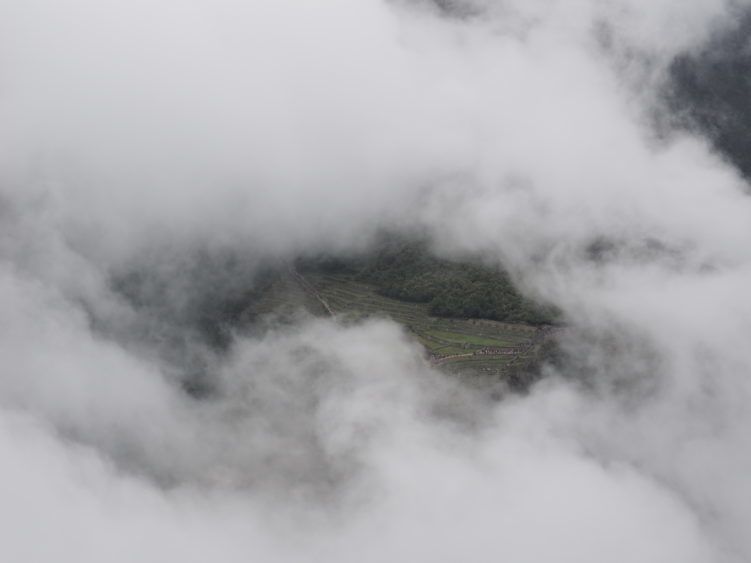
x=189 y=144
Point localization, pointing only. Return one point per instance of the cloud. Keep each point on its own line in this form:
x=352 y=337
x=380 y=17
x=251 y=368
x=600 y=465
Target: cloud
x=174 y=141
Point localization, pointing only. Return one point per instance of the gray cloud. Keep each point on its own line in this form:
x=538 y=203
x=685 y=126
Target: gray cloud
x=191 y=144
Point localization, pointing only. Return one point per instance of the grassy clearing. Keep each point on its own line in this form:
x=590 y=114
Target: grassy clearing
x=463 y=338
x=442 y=338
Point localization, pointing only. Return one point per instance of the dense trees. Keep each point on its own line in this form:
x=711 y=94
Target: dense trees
x=409 y=272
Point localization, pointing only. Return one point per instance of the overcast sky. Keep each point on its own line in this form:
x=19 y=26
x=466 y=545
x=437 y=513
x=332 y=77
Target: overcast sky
x=136 y=136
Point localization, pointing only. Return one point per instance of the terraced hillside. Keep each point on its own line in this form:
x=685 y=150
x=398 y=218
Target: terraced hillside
x=464 y=346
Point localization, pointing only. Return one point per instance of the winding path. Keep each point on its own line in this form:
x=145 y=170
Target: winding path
x=308 y=288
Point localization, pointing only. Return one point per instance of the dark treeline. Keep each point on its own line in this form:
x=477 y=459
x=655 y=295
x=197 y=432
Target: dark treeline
x=710 y=91
x=407 y=271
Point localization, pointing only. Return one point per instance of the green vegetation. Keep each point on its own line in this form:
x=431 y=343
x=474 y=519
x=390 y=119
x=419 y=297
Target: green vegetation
x=406 y=271
x=469 y=319
x=468 y=339
x=464 y=346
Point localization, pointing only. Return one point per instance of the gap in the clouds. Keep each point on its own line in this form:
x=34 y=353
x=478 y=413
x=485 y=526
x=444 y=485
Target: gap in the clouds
x=191 y=306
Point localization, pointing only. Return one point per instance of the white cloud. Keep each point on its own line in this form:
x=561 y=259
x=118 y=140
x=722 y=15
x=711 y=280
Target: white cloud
x=135 y=134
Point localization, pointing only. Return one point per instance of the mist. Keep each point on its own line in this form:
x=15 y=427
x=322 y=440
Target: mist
x=157 y=157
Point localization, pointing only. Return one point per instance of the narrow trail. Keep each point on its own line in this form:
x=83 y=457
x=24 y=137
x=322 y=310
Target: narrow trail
x=308 y=288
